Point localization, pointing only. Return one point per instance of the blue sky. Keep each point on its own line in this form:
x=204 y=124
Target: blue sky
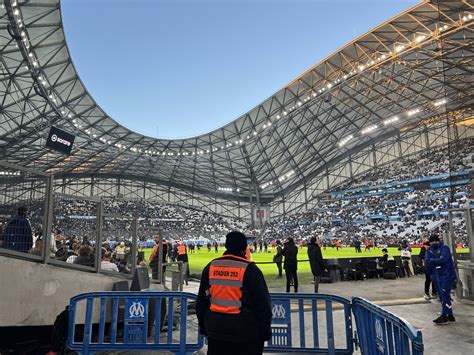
x=179 y=68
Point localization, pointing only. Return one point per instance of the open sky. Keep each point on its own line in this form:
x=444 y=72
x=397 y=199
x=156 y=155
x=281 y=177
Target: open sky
x=179 y=68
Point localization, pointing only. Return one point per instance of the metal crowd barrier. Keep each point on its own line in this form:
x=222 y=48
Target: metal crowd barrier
x=382 y=332
x=124 y=321
x=289 y=334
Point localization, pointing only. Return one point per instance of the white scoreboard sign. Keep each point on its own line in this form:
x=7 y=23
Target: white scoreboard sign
x=261 y=214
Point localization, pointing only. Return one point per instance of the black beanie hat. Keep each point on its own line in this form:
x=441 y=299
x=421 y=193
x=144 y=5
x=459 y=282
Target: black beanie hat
x=434 y=238
x=235 y=241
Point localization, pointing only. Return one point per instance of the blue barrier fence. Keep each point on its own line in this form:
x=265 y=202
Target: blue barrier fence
x=382 y=332
x=132 y=321
x=302 y=331
x=121 y=321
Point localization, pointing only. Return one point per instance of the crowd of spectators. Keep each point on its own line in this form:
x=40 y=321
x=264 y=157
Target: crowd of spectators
x=385 y=219
x=429 y=162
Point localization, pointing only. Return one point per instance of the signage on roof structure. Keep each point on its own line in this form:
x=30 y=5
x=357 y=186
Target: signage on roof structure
x=60 y=140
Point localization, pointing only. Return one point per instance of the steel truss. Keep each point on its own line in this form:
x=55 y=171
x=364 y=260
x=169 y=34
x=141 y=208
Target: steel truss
x=301 y=141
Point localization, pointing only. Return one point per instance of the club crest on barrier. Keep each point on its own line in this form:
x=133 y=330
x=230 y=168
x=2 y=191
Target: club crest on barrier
x=278 y=311
x=136 y=310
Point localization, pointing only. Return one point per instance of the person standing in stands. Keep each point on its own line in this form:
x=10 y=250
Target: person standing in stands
x=183 y=256
x=316 y=262
x=439 y=264
x=233 y=306
x=106 y=264
x=278 y=258
x=290 y=252
x=428 y=281
x=120 y=252
x=18 y=235
x=85 y=257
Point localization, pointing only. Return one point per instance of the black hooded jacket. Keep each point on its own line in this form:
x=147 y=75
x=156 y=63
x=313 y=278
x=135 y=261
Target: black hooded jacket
x=315 y=259
x=253 y=322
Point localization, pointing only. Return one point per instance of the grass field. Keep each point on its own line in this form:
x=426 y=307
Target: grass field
x=198 y=261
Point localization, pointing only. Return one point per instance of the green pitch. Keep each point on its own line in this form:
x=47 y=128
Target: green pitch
x=198 y=261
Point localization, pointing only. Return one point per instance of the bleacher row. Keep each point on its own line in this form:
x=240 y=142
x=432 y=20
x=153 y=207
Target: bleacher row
x=397 y=202
x=404 y=200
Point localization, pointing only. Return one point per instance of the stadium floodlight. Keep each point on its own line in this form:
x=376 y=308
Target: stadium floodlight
x=391 y=120
x=399 y=48
x=440 y=102
x=369 y=129
x=413 y=112
x=420 y=38
x=344 y=141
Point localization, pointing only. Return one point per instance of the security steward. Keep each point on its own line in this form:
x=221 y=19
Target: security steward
x=233 y=305
x=183 y=256
x=440 y=266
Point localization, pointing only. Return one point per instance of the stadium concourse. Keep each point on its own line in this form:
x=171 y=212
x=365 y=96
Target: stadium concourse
x=373 y=145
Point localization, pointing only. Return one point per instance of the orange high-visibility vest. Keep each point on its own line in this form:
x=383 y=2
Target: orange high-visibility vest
x=226 y=277
x=247 y=254
x=181 y=249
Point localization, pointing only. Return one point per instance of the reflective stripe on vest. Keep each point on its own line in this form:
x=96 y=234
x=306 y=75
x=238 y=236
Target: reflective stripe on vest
x=226 y=276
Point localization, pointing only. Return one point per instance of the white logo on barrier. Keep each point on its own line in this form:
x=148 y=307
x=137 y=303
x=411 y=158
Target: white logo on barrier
x=379 y=336
x=136 y=310
x=278 y=311
x=54 y=138
x=378 y=329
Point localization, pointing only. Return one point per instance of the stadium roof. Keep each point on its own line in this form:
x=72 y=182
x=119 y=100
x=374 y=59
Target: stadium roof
x=413 y=68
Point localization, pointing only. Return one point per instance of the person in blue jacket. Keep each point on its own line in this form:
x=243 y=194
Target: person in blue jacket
x=439 y=264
